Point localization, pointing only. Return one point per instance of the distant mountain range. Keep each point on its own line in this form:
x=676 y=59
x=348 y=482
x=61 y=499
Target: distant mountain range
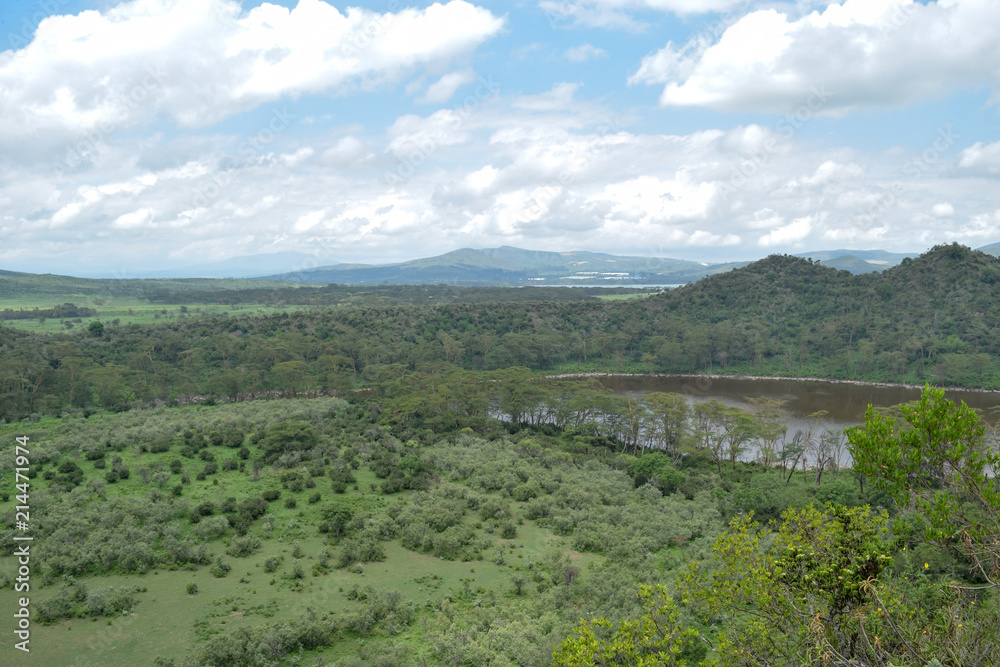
x=506 y=266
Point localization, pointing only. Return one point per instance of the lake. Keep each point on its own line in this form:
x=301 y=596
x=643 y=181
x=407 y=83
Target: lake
x=845 y=403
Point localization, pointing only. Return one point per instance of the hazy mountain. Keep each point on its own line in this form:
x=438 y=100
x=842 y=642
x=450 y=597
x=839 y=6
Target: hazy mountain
x=245 y=266
x=853 y=264
x=858 y=261
x=991 y=249
x=507 y=265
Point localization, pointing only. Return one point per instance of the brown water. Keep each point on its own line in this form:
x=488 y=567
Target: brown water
x=845 y=403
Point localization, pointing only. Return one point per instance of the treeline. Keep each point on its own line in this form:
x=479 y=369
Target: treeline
x=65 y=310
x=355 y=295
x=665 y=423
x=934 y=319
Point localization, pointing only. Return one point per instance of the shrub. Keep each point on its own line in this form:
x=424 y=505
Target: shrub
x=244 y=546
x=221 y=568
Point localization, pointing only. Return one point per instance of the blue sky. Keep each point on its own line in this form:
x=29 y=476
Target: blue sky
x=161 y=133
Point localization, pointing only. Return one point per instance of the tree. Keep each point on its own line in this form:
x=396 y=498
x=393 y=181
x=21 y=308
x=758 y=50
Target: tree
x=670 y=413
x=288 y=436
x=813 y=597
x=290 y=376
x=940 y=467
x=769 y=426
x=654 y=639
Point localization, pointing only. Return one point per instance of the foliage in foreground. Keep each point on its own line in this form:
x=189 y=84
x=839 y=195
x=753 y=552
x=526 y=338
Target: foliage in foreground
x=654 y=639
x=840 y=586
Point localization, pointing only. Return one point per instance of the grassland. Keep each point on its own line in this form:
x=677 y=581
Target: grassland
x=171 y=623
x=131 y=311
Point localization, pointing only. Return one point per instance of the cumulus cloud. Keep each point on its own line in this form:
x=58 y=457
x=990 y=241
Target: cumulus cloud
x=134 y=219
x=560 y=97
x=584 y=52
x=348 y=152
x=443 y=89
x=981 y=158
x=94 y=73
x=791 y=234
x=942 y=210
x=648 y=199
x=858 y=53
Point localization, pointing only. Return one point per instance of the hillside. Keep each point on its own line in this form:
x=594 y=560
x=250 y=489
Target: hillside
x=948 y=286
x=15 y=286
x=934 y=319
x=505 y=265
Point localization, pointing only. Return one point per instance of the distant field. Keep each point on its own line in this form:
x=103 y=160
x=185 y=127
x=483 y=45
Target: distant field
x=129 y=311
x=127 y=301
x=626 y=297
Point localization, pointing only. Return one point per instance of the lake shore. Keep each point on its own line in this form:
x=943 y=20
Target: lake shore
x=722 y=376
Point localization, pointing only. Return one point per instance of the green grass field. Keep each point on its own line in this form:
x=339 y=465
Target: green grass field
x=129 y=311
x=170 y=623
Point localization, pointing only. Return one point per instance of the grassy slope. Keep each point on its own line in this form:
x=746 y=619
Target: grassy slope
x=170 y=623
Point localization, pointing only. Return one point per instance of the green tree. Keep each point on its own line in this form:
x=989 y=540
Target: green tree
x=938 y=464
x=812 y=597
x=656 y=638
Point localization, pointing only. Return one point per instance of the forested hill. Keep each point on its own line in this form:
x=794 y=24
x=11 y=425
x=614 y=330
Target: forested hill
x=933 y=319
x=950 y=290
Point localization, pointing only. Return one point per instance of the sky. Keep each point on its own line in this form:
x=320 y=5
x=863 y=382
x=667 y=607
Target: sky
x=156 y=134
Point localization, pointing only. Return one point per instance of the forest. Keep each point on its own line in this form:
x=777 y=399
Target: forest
x=933 y=319
x=413 y=483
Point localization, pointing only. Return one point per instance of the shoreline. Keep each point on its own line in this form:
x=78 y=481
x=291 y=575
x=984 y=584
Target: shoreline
x=721 y=376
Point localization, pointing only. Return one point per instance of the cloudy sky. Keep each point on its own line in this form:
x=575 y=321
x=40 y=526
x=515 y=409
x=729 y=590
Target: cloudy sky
x=161 y=133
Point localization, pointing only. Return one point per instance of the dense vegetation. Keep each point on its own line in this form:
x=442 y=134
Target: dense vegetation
x=455 y=503
x=933 y=319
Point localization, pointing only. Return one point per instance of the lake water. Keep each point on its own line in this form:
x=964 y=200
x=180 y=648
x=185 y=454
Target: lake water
x=844 y=403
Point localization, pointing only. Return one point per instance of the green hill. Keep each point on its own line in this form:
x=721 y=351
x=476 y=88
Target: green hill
x=506 y=265
x=17 y=286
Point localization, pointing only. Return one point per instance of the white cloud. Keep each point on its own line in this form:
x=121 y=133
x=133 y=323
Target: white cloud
x=309 y=220
x=93 y=74
x=943 y=210
x=791 y=234
x=584 y=52
x=833 y=172
x=349 y=151
x=482 y=179
x=650 y=200
x=982 y=227
x=442 y=90
x=981 y=158
x=135 y=219
x=411 y=135
x=292 y=159
x=859 y=53
x=546 y=171
x=560 y=97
